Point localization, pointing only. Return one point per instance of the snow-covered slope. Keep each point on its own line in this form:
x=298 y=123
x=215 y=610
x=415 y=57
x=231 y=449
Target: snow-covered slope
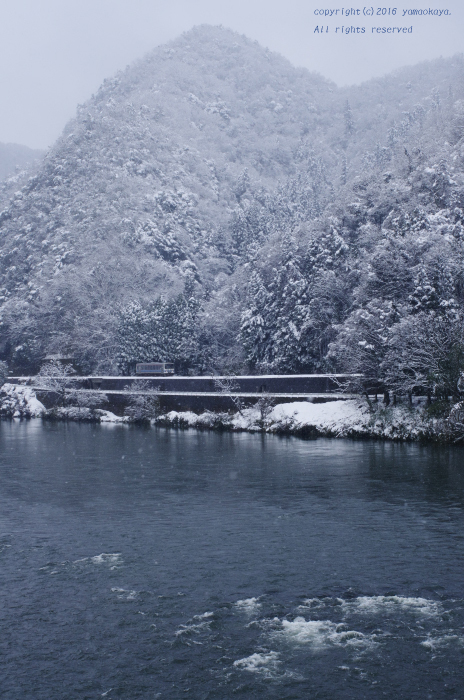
x=139 y=189
x=166 y=179
x=15 y=156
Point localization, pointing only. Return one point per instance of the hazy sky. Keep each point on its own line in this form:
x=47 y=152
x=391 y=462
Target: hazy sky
x=55 y=53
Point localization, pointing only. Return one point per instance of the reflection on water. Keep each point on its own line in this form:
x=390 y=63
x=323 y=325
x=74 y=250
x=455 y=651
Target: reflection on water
x=141 y=563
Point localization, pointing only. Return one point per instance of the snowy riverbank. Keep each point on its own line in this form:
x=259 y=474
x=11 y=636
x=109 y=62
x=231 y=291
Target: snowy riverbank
x=350 y=418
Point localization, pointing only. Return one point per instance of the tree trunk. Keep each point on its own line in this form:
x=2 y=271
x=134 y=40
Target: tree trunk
x=368 y=400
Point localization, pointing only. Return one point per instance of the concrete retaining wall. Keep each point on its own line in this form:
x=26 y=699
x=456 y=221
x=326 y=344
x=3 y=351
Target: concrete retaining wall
x=118 y=400
x=273 y=384
x=204 y=393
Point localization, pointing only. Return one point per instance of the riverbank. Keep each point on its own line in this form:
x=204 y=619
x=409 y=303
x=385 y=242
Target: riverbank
x=350 y=418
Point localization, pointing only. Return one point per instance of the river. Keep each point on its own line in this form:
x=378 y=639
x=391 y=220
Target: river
x=152 y=563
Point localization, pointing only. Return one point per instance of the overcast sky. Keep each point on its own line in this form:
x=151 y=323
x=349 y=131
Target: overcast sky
x=55 y=53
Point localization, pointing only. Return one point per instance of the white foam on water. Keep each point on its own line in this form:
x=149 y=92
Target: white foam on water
x=131 y=595
x=384 y=605
x=53 y=568
x=313 y=603
x=265 y=664
x=248 y=605
x=320 y=634
x=106 y=558
x=204 y=616
x=198 y=624
x=112 y=560
x=191 y=629
x=436 y=643
x=319 y=603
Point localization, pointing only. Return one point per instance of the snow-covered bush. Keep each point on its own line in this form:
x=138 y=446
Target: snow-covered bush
x=19 y=402
x=142 y=407
x=57 y=377
x=3 y=373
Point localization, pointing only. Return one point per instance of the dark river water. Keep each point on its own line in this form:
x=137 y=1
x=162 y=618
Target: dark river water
x=146 y=563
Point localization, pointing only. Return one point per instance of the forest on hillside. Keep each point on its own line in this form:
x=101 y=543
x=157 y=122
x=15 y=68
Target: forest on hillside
x=14 y=157
x=214 y=206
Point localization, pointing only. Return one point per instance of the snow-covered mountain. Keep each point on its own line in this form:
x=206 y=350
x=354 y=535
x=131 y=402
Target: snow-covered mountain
x=14 y=156
x=137 y=234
